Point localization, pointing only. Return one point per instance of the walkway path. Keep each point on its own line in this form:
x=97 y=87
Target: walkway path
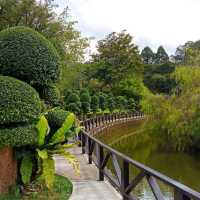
x=86 y=185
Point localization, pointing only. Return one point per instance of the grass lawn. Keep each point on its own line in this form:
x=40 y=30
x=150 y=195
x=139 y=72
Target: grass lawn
x=61 y=191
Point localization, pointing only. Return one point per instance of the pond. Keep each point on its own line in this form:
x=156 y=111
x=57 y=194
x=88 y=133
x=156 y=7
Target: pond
x=129 y=139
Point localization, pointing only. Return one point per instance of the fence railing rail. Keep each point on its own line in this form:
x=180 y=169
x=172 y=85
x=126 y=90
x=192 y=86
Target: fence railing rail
x=100 y=154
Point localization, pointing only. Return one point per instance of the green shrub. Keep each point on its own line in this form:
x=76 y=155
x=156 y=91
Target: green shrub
x=72 y=98
x=102 y=101
x=121 y=102
x=19 y=136
x=56 y=117
x=95 y=103
x=85 y=107
x=111 y=104
x=74 y=107
x=85 y=97
x=51 y=95
x=19 y=102
x=27 y=55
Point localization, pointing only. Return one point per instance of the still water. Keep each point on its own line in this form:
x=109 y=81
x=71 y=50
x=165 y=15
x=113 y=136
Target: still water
x=128 y=139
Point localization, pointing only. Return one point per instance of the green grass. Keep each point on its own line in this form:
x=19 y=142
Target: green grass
x=61 y=191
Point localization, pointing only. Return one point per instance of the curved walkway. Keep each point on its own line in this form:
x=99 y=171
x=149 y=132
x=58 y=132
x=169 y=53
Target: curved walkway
x=86 y=185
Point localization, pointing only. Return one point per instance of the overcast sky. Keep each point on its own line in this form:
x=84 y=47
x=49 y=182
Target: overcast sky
x=151 y=22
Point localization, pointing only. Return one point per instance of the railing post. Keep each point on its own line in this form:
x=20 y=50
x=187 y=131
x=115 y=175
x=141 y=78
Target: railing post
x=89 y=153
x=83 y=142
x=100 y=157
x=178 y=195
x=124 y=179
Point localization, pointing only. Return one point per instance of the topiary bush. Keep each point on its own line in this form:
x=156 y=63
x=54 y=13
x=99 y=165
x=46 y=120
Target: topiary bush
x=51 y=95
x=56 y=117
x=19 y=102
x=28 y=56
x=19 y=136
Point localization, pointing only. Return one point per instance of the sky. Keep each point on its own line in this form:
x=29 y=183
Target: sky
x=151 y=22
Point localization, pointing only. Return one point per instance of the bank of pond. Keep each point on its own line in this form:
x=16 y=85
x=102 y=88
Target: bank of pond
x=130 y=139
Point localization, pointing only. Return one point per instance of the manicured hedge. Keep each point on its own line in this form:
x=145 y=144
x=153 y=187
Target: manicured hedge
x=19 y=102
x=19 y=136
x=56 y=117
x=51 y=95
x=28 y=56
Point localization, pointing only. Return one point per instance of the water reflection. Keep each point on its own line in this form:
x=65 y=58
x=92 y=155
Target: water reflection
x=129 y=140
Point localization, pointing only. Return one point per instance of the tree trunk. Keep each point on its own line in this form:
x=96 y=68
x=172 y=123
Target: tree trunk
x=8 y=169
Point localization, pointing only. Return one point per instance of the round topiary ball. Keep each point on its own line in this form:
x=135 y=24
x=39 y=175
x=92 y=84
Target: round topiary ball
x=28 y=56
x=19 y=102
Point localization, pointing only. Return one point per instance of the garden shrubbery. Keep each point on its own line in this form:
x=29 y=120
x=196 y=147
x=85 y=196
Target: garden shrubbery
x=51 y=95
x=19 y=102
x=27 y=55
x=83 y=102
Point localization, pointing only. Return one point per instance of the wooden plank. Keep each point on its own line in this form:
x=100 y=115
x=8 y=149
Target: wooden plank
x=155 y=188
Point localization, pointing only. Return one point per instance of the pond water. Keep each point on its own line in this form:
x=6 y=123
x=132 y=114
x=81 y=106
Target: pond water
x=128 y=139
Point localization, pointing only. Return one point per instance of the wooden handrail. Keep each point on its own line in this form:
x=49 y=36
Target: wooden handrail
x=122 y=180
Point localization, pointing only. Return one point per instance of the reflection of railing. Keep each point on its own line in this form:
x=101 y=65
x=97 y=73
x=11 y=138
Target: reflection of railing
x=100 y=154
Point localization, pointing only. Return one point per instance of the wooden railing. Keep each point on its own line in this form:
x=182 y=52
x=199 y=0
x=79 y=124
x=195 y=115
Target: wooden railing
x=100 y=154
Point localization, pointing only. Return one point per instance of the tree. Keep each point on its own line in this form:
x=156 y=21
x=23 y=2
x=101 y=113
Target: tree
x=95 y=103
x=85 y=101
x=147 y=55
x=40 y=15
x=102 y=101
x=158 y=77
x=161 y=56
x=117 y=58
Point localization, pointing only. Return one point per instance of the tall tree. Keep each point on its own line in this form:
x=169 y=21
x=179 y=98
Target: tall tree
x=147 y=55
x=41 y=16
x=117 y=58
x=161 y=56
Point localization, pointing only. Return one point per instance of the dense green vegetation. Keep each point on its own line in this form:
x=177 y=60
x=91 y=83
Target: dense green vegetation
x=25 y=54
x=45 y=52
x=61 y=190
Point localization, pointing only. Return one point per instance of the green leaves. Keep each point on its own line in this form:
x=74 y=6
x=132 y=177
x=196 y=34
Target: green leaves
x=26 y=168
x=59 y=136
x=48 y=172
x=43 y=129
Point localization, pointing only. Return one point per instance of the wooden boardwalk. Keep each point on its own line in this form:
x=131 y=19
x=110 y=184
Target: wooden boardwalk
x=86 y=185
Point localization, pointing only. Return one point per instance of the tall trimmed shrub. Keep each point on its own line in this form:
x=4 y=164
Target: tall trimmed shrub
x=19 y=102
x=28 y=56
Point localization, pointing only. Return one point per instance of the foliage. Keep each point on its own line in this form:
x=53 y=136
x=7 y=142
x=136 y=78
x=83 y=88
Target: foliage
x=18 y=136
x=148 y=56
x=121 y=102
x=51 y=95
x=26 y=169
x=19 y=102
x=176 y=117
x=45 y=148
x=188 y=54
x=74 y=107
x=41 y=16
x=95 y=103
x=132 y=88
x=117 y=58
x=56 y=117
x=157 y=77
x=102 y=101
x=27 y=55
x=161 y=56
x=111 y=103
x=61 y=190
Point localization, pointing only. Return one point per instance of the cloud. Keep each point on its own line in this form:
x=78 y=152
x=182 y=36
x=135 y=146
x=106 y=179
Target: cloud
x=151 y=22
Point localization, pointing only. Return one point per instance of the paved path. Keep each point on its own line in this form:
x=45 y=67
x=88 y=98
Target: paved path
x=85 y=186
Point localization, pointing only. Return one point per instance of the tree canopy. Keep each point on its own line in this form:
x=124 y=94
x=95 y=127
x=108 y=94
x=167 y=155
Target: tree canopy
x=117 y=58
